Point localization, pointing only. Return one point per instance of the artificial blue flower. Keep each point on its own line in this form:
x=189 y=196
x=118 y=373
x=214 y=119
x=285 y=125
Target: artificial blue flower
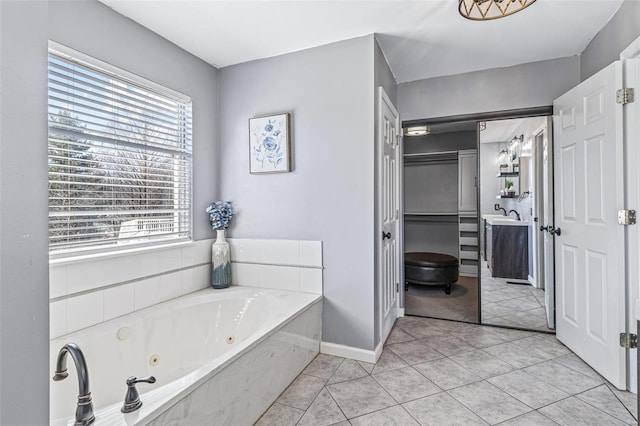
x=268 y=127
x=220 y=214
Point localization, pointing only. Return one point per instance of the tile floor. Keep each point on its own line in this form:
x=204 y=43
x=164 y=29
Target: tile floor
x=435 y=372
x=511 y=305
x=433 y=302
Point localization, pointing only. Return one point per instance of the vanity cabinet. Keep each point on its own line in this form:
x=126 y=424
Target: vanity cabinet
x=507 y=250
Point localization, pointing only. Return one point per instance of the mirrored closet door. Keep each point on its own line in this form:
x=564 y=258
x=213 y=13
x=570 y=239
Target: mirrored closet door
x=512 y=160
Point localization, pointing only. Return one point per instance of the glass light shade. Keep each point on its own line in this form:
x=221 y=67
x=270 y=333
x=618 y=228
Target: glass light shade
x=417 y=131
x=484 y=10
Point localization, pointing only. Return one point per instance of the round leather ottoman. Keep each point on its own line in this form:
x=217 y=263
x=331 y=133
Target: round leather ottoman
x=430 y=269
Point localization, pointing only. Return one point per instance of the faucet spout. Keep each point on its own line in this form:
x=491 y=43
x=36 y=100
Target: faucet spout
x=84 y=410
x=498 y=208
x=517 y=214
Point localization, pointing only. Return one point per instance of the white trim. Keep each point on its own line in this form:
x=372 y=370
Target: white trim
x=531 y=280
x=400 y=312
x=350 y=352
x=632 y=51
x=72 y=54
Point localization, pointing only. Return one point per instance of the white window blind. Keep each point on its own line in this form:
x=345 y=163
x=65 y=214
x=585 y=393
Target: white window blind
x=119 y=160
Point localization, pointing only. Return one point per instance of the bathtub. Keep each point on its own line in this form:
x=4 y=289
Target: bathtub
x=219 y=357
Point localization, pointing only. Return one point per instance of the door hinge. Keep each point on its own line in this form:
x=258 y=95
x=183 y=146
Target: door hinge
x=626 y=217
x=625 y=96
x=397 y=214
x=397 y=287
x=628 y=340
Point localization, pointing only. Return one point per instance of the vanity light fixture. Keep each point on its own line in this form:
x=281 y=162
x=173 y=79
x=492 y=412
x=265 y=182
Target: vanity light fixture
x=485 y=10
x=416 y=131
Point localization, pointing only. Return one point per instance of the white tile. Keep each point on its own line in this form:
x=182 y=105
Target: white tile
x=244 y=250
x=146 y=293
x=311 y=253
x=170 y=259
x=280 y=278
x=311 y=280
x=57 y=281
x=197 y=253
x=288 y=252
x=149 y=264
x=118 y=301
x=57 y=319
x=194 y=279
x=170 y=285
x=84 y=311
x=120 y=269
x=202 y=276
x=245 y=274
x=267 y=251
x=83 y=276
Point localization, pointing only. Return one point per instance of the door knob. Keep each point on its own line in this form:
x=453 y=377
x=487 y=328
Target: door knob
x=555 y=231
x=544 y=228
x=386 y=235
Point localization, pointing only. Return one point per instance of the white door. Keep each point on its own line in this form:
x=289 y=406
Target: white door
x=590 y=279
x=388 y=212
x=547 y=220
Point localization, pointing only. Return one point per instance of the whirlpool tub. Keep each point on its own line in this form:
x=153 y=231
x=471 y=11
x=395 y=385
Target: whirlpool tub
x=219 y=357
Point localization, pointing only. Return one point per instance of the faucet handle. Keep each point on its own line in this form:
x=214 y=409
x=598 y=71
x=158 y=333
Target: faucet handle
x=133 y=380
x=132 y=398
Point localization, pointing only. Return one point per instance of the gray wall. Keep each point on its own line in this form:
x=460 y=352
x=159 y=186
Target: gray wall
x=605 y=48
x=24 y=274
x=520 y=86
x=329 y=195
x=92 y=28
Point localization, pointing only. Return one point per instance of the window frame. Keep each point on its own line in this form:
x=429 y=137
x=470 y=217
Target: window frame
x=107 y=69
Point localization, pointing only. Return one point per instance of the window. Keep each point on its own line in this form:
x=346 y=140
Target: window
x=119 y=158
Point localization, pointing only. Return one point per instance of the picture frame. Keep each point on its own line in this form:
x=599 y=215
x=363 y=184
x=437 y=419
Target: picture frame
x=270 y=143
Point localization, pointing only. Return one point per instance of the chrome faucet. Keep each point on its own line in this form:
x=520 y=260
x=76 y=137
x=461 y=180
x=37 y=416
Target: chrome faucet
x=517 y=214
x=84 y=410
x=497 y=207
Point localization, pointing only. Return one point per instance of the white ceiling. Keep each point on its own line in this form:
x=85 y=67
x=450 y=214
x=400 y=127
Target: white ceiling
x=421 y=39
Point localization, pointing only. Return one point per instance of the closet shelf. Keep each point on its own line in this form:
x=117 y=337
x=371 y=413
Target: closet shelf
x=427 y=157
x=430 y=214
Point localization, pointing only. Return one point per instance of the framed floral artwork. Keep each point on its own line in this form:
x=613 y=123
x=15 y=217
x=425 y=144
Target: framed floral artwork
x=270 y=144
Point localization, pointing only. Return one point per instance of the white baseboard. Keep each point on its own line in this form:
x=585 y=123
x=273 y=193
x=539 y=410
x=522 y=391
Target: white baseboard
x=350 y=352
x=400 y=312
x=532 y=281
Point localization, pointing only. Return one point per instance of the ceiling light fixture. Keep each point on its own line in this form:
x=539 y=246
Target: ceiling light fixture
x=417 y=131
x=484 y=10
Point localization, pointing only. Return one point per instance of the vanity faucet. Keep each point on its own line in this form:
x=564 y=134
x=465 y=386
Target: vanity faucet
x=517 y=214
x=504 y=212
x=84 y=410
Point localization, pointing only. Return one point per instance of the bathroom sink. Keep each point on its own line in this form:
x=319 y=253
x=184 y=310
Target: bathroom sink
x=496 y=220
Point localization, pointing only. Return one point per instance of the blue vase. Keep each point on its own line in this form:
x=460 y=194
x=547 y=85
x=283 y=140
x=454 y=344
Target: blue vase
x=220 y=262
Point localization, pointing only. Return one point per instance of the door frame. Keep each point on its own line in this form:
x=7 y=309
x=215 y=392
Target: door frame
x=537 y=111
x=631 y=114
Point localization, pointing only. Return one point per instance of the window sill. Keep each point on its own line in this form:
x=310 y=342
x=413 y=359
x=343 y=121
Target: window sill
x=117 y=253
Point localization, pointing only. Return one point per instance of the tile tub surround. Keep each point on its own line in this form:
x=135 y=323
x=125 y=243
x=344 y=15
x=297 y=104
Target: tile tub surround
x=88 y=290
x=525 y=378
x=278 y=264
x=274 y=335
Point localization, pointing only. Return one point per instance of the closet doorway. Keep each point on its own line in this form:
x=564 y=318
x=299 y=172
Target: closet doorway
x=441 y=238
